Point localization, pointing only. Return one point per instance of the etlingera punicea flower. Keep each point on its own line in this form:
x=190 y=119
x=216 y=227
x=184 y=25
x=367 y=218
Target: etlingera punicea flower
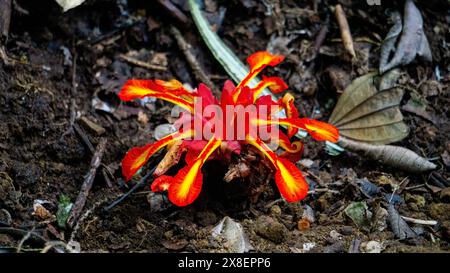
x=186 y=185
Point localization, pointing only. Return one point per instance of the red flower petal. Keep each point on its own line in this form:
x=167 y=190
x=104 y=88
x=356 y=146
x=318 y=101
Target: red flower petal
x=275 y=84
x=288 y=178
x=320 y=130
x=290 y=181
x=161 y=183
x=187 y=184
x=138 y=89
x=257 y=61
x=291 y=112
x=260 y=59
x=136 y=157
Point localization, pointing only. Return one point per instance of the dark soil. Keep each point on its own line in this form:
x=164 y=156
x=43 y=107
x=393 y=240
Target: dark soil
x=42 y=158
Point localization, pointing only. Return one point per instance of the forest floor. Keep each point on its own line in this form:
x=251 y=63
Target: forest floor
x=71 y=68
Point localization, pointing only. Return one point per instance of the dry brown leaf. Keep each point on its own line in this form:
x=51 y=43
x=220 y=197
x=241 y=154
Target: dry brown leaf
x=41 y=213
x=364 y=113
x=412 y=41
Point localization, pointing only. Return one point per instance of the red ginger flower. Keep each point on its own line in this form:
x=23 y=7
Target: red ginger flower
x=186 y=185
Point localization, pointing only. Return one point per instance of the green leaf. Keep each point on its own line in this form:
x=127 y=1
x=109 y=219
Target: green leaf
x=64 y=207
x=359 y=213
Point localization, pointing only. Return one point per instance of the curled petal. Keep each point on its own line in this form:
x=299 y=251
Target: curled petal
x=261 y=59
x=286 y=144
x=294 y=152
x=136 y=157
x=161 y=183
x=138 y=89
x=275 y=84
x=291 y=112
x=257 y=61
x=187 y=184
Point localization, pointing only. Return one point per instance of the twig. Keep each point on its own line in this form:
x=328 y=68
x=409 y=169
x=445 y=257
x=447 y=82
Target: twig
x=420 y=221
x=323 y=190
x=345 y=30
x=321 y=37
x=142 y=64
x=133 y=189
x=84 y=217
x=87 y=184
x=196 y=68
x=23 y=240
x=354 y=246
x=19 y=8
x=174 y=11
x=5 y=58
x=80 y=132
x=73 y=91
x=101 y=38
x=20 y=232
x=5 y=19
x=319 y=181
x=415 y=187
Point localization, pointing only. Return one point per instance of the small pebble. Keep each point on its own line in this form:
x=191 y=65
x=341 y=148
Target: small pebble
x=373 y=247
x=445 y=195
x=269 y=228
x=346 y=230
x=275 y=210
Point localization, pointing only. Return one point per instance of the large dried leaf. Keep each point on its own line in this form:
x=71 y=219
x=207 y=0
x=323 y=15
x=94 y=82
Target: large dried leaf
x=378 y=135
x=364 y=113
x=382 y=100
x=412 y=41
x=358 y=91
x=388 y=45
x=385 y=117
x=398 y=225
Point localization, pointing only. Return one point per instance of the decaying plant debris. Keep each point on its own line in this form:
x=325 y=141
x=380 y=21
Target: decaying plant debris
x=386 y=189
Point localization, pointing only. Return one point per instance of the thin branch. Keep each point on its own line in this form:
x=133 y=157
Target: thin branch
x=87 y=184
x=192 y=60
x=420 y=221
x=133 y=189
x=345 y=30
x=142 y=64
